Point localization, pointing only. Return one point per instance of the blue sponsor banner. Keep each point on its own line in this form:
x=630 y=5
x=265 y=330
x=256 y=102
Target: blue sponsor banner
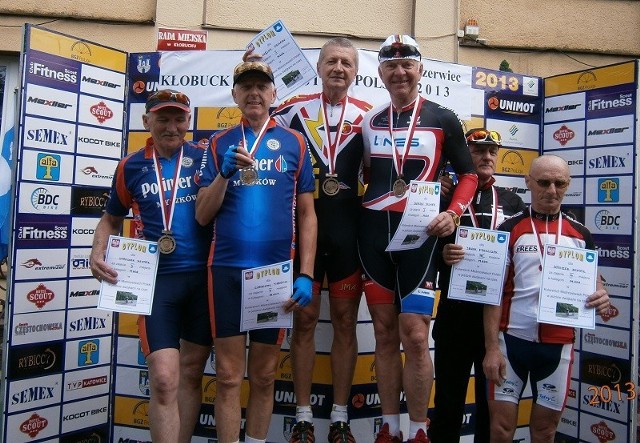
x=43 y=231
x=614 y=250
x=505 y=106
x=612 y=101
x=52 y=71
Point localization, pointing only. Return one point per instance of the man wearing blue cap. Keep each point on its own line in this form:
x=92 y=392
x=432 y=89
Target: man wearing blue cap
x=158 y=184
x=410 y=138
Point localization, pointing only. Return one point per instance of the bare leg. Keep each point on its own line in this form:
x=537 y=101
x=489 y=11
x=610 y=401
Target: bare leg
x=230 y=368
x=388 y=358
x=193 y=357
x=164 y=419
x=263 y=361
x=504 y=419
x=418 y=368
x=344 y=349
x=303 y=350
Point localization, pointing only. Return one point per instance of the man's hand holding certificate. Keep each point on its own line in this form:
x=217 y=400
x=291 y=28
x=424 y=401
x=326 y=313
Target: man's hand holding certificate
x=479 y=276
x=136 y=262
x=265 y=290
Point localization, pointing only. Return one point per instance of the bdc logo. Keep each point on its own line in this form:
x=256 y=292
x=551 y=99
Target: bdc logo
x=606 y=221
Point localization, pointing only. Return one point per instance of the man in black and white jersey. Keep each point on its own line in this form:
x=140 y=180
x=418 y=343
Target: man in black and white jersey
x=458 y=330
x=410 y=138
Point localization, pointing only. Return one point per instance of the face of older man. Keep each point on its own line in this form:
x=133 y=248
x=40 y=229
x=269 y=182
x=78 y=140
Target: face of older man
x=254 y=94
x=401 y=77
x=168 y=127
x=337 y=68
x=548 y=180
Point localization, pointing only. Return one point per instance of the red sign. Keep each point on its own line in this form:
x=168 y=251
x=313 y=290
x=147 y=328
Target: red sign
x=181 y=40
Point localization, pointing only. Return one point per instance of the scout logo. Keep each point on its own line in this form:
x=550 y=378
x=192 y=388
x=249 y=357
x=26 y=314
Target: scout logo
x=33 y=425
x=609 y=313
x=101 y=112
x=563 y=135
x=40 y=296
x=602 y=432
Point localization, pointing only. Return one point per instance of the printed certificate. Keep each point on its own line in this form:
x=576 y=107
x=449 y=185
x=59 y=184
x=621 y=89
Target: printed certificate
x=265 y=289
x=423 y=205
x=290 y=67
x=568 y=277
x=479 y=276
x=136 y=262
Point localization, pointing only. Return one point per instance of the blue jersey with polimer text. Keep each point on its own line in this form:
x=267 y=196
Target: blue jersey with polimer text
x=255 y=225
x=135 y=187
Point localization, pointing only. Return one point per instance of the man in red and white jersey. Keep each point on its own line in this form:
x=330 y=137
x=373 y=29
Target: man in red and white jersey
x=518 y=347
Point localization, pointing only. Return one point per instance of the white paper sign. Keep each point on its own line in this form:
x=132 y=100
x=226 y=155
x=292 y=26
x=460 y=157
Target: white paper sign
x=265 y=289
x=291 y=69
x=568 y=277
x=479 y=277
x=423 y=205
x=136 y=262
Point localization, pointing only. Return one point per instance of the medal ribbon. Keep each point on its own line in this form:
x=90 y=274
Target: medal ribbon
x=256 y=143
x=167 y=208
x=330 y=149
x=398 y=162
x=558 y=233
x=494 y=210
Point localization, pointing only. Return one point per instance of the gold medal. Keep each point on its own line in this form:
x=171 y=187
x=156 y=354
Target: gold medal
x=166 y=243
x=399 y=188
x=249 y=176
x=331 y=185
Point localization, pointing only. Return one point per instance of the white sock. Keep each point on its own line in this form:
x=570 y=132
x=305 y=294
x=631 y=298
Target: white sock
x=394 y=423
x=304 y=413
x=248 y=439
x=415 y=426
x=339 y=413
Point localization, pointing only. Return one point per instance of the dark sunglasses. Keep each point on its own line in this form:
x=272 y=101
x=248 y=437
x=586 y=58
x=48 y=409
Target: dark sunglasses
x=543 y=183
x=165 y=95
x=484 y=136
x=398 y=51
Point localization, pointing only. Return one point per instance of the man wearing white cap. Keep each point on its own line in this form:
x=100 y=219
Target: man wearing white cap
x=410 y=138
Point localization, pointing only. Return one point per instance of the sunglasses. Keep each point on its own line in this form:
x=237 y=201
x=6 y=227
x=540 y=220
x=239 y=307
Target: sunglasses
x=165 y=95
x=559 y=184
x=482 y=135
x=398 y=51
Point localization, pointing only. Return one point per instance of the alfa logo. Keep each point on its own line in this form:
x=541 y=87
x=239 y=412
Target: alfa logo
x=563 y=135
x=101 y=112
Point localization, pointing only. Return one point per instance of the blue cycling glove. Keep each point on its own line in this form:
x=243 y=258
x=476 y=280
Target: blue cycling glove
x=302 y=290
x=229 y=163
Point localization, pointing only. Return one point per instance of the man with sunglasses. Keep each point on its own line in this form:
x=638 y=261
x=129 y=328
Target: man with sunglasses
x=458 y=330
x=410 y=138
x=176 y=337
x=517 y=347
x=257 y=188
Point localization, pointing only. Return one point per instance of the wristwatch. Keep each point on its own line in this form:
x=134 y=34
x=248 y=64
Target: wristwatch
x=455 y=217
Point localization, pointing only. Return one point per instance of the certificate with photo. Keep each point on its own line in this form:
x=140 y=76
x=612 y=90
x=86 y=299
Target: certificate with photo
x=291 y=69
x=423 y=205
x=479 y=276
x=569 y=276
x=136 y=262
x=265 y=290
